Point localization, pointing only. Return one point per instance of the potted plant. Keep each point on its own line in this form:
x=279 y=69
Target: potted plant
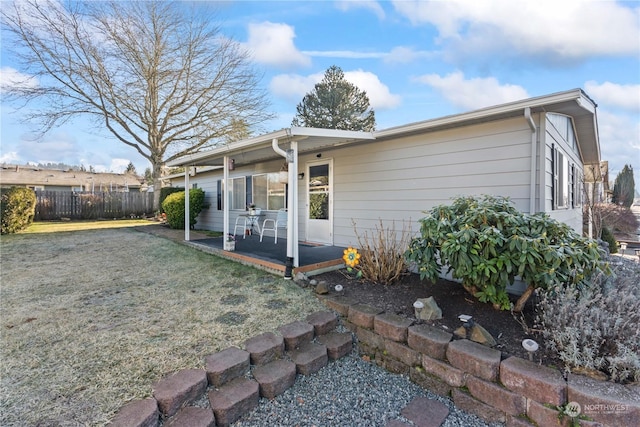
x=252 y=209
x=230 y=242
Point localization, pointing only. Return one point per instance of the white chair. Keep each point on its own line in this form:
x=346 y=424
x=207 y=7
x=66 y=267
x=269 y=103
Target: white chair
x=242 y=222
x=279 y=222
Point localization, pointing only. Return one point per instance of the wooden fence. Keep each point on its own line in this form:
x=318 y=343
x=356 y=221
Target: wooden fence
x=55 y=205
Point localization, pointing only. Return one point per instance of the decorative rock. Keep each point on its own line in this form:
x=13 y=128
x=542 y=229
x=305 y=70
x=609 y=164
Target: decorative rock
x=424 y=412
x=264 y=348
x=322 y=288
x=193 y=417
x=313 y=282
x=310 y=358
x=138 y=413
x=226 y=365
x=478 y=334
x=233 y=400
x=182 y=387
x=431 y=311
x=275 y=377
x=296 y=333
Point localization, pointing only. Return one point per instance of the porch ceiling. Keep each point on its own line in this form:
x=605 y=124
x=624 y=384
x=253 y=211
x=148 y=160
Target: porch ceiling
x=259 y=149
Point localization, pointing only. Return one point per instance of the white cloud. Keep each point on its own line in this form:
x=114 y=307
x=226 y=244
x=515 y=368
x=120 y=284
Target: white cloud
x=549 y=29
x=473 y=93
x=272 y=44
x=294 y=87
x=10 y=78
x=405 y=55
x=614 y=95
x=619 y=142
x=373 y=6
x=119 y=165
x=9 y=157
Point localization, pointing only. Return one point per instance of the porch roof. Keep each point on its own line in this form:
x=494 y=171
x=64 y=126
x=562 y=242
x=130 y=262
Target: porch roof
x=259 y=148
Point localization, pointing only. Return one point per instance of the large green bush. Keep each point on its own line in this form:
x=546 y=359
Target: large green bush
x=173 y=206
x=17 y=209
x=165 y=191
x=486 y=242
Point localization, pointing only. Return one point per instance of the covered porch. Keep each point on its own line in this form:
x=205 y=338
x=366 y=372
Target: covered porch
x=300 y=250
x=272 y=257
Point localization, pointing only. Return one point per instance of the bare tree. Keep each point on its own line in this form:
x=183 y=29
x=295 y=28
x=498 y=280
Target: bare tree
x=158 y=75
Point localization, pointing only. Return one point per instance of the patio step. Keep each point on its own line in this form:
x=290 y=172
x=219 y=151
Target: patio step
x=264 y=348
x=233 y=400
x=338 y=344
x=275 y=377
x=309 y=357
x=296 y=333
x=323 y=322
x=193 y=417
x=226 y=365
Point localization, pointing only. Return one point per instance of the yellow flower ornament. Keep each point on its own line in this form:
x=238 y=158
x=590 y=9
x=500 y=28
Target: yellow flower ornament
x=351 y=257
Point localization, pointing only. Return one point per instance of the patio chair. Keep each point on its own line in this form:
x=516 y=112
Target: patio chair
x=275 y=224
x=242 y=222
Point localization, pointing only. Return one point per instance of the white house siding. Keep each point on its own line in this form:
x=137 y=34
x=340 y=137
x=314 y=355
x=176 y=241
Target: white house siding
x=570 y=216
x=400 y=179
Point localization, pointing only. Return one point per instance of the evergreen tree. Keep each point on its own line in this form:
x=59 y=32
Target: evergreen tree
x=624 y=187
x=130 y=168
x=335 y=104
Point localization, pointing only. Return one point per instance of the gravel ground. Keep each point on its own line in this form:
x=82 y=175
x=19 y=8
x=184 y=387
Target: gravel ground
x=348 y=392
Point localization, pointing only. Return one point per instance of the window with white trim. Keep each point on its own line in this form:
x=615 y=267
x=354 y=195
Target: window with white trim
x=237 y=193
x=268 y=192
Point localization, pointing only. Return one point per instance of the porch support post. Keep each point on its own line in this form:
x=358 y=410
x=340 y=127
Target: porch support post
x=187 y=226
x=532 y=177
x=292 y=239
x=225 y=199
x=293 y=207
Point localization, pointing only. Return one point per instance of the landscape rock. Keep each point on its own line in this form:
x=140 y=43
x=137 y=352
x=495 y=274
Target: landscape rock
x=478 y=334
x=431 y=311
x=322 y=288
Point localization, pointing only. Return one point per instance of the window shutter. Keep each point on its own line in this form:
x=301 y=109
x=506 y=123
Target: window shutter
x=219 y=187
x=249 y=187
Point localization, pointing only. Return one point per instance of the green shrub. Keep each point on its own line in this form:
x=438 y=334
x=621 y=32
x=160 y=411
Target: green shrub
x=381 y=254
x=596 y=326
x=165 y=191
x=607 y=236
x=173 y=206
x=17 y=209
x=486 y=242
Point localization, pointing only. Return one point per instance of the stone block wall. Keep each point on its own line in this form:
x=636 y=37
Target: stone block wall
x=479 y=379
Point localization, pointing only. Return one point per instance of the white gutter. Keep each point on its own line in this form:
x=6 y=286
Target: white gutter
x=292 y=258
x=532 y=178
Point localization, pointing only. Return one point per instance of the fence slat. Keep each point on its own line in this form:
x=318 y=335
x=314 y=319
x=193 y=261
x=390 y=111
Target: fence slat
x=55 y=205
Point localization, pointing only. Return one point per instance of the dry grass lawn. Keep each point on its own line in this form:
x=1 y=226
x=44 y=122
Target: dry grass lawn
x=92 y=319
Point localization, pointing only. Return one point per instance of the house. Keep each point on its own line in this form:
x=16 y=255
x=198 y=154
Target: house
x=534 y=151
x=67 y=180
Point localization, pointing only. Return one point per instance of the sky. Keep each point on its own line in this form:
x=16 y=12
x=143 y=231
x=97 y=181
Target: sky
x=416 y=60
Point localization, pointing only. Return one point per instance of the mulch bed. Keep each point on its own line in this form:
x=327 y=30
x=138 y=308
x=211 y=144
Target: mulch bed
x=507 y=328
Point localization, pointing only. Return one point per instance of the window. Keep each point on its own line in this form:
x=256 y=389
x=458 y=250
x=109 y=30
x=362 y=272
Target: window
x=566 y=182
x=237 y=193
x=268 y=192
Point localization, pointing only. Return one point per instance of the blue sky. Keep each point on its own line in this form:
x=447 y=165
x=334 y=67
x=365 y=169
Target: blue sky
x=416 y=60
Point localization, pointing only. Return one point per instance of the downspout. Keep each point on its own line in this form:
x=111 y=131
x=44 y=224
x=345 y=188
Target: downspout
x=532 y=177
x=288 y=271
x=187 y=225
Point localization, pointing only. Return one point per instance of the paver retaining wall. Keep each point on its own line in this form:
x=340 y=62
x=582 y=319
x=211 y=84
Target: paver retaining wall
x=479 y=380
